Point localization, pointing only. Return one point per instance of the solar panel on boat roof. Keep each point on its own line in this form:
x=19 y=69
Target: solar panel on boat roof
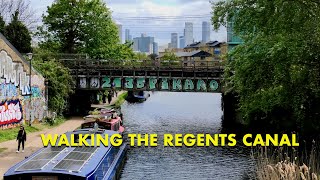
x=69 y=165
x=32 y=165
x=83 y=156
x=46 y=155
x=76 y=159
x=41 y=159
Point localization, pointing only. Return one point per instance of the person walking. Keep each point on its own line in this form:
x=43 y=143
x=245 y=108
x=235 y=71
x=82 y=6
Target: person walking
x=21 y=138
x=113 y=87
x=109 y=97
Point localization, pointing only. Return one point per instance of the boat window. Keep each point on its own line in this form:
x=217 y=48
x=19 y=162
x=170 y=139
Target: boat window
x=106 y=126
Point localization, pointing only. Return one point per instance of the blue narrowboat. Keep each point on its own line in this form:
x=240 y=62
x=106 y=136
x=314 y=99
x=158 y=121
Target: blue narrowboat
x=72 y=163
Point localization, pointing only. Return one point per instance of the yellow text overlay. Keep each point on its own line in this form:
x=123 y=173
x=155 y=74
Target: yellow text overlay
x=169 y=140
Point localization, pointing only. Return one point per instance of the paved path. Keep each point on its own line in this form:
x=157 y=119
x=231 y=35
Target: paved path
x=9 y=157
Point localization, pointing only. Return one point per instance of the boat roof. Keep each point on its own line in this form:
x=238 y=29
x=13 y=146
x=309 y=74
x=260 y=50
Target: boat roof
x=102 y=121
x=78 y=161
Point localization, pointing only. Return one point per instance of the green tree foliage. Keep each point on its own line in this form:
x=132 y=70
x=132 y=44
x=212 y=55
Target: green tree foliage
x=169 y=56
x=18 y=34
x=153 y=56
x=276 y=71
x=2 y=24
x=141 y=56
x=83 y=26
x=59 y=79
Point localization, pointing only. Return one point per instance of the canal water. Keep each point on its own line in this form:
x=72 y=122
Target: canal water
x=181 y=113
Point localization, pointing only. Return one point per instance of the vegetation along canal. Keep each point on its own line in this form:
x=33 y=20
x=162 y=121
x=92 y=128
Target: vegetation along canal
x=181 y=113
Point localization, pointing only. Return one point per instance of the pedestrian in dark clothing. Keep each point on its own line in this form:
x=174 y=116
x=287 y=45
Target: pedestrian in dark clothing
x=104 y=98
x=21 y=138
x=109 y=97
x=113 y=87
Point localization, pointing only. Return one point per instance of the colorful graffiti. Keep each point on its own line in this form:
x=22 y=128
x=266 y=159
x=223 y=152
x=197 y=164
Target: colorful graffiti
x=163 y=84
x=10 y=113
x=34 y=109
x=15 y=93
x=13 y=73
x=8 y=91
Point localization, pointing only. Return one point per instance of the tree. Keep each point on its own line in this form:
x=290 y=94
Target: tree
x=83 y=26
x=153 y=56
x=18 y=34
x=59 y=79
x=169 y=56
x=2 y=24
x=141 y=56
x=26 y=13
x=277 y=68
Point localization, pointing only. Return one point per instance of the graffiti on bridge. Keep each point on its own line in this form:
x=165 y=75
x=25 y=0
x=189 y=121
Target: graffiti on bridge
x=152 y=83
x=10 y=114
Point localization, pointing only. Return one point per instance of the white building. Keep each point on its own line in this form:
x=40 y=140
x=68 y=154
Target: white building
x=205 y=32
x=174 y=40
x=188 y=37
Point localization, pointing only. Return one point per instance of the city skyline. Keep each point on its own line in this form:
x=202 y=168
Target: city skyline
x=173 y=14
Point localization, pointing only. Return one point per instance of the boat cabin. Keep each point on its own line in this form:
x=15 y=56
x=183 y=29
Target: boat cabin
x=104 y=122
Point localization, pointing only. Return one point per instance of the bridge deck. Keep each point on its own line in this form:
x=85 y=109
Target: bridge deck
x=146 y=75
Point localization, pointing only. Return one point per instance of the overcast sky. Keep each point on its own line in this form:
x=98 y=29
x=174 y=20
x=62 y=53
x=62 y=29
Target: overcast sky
x=157 y=18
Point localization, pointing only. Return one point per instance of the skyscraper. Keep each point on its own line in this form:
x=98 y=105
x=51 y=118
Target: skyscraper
x=127 y=35
x=188 y=33
x=155 y=48
x=120 y=32
x=205 y=31
x=174 y=40
x=143 y=44
x=181 y=41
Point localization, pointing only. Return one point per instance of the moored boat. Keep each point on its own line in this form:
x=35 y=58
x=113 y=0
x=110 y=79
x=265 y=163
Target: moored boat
x=70 y=163
x=106 y=122
x=140 y=96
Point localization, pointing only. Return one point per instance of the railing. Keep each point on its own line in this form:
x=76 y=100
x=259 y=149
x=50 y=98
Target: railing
x=141 y=64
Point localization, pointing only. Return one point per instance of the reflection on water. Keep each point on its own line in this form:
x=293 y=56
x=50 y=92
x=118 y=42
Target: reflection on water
x=180 y=113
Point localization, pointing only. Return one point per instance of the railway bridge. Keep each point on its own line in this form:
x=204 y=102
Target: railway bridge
x=146 y=75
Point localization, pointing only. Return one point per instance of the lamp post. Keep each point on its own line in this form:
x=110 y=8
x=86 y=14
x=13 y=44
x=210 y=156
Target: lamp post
x=30 y=71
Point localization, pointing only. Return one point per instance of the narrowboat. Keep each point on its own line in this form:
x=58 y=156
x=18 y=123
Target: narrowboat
x=105 y=121
x=72 y=163
x=134 y=97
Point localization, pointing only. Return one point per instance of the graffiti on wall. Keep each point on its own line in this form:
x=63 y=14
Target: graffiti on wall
x=13 y=73
x=15 y=94
x=8 y=91
x=10 y=113
x=35 y=109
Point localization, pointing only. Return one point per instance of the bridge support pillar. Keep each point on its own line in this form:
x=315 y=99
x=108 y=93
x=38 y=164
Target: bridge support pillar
x=229 y=105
